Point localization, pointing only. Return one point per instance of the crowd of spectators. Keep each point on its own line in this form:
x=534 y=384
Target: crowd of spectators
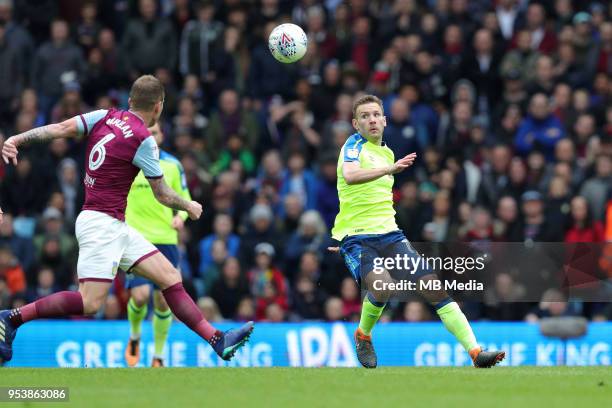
x=507 y=104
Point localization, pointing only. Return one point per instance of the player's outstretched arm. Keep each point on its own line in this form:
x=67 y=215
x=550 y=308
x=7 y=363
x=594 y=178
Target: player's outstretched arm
x=354 y=174
x=168 y=197
x=67 y=128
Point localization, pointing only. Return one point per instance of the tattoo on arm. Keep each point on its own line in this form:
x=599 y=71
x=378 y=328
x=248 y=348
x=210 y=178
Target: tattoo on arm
x=67 y=128
x=167 y=196
x=39 y=134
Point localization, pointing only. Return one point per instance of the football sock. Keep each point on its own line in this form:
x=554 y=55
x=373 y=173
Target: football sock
x=455 y=322
x=370 y=313
x=135 y=316
x=185 y=309
x=162 y=320
x=56 y=305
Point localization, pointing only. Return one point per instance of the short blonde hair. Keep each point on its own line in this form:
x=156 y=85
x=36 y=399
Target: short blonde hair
x=146 y=92
x=366 y=99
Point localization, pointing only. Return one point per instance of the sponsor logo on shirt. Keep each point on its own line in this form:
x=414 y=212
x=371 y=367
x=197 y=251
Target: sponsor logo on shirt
x=89 y=181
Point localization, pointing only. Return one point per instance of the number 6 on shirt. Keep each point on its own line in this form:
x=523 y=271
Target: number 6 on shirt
x=96 y=162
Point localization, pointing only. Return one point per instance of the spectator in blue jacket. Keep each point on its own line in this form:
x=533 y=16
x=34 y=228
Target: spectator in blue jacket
x=299 y=180
x=222 y=227
x=539 y=129
x=328 y=203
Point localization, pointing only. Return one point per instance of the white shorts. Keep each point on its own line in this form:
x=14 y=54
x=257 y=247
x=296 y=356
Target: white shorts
x=106 y=244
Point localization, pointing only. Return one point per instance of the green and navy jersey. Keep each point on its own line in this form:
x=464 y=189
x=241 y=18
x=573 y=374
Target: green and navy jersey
x=144 y=213
x=365 y=208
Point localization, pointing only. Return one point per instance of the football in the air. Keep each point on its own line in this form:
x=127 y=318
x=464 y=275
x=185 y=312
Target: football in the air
x=288 y=43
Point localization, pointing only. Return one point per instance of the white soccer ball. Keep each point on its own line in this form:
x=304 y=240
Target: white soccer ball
x=288 y=43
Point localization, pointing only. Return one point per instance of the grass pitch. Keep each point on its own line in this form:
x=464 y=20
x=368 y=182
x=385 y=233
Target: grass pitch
x=322 y=387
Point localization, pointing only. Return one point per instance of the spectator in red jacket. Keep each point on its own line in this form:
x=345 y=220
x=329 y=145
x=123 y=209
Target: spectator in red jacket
x=11 y=272
x=604 y=60
x=582 y=227
x=351 y=301
x=608 y=233
x=542 y=39
x=482 y=226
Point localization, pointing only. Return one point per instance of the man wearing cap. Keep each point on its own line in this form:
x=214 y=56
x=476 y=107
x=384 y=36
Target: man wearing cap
x=584 y=42
x=535 y=226
x=268 y=284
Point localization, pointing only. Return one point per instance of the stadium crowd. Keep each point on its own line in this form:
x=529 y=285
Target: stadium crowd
x=507 y=103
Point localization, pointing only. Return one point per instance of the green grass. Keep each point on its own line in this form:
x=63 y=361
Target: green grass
x=323 y=387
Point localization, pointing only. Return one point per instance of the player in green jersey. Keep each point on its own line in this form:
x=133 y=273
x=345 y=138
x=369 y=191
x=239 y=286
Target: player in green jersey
x=160 y=226
x=367 y=231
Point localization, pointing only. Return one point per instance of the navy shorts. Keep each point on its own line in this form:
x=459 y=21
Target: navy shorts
x=169 y=251
x=359 y=252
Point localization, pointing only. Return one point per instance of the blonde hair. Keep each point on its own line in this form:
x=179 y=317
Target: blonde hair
x=366 y=99
x=146 y=92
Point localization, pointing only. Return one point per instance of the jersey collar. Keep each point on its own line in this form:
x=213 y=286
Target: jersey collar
x=382 y=142
x=138 y=116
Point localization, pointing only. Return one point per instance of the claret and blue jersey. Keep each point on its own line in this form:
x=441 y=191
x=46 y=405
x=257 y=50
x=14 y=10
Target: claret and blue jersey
x=119 y=145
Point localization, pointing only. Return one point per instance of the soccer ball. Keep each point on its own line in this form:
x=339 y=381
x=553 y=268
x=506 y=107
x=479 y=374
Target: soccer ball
x=288 y=43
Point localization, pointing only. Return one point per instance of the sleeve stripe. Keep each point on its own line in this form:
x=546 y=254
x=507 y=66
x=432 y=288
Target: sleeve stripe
x=85 y=129
x=154 y=177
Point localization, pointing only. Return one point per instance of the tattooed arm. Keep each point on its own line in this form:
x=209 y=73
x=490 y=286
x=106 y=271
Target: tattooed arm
x=168 y=197
x=67 y=128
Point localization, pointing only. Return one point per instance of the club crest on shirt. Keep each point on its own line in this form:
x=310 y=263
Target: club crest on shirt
x=352 y=153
